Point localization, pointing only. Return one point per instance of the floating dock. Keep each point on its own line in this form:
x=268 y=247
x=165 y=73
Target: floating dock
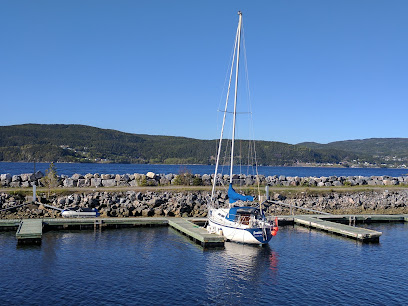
x=196 y=233
x=102 y=223
x=29 y=231
x=344 y=224
x=358 y=233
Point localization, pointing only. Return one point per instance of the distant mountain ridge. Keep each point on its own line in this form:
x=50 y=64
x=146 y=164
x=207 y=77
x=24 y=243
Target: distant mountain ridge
x=374 y=146
x=81 y=143
x=383 y=150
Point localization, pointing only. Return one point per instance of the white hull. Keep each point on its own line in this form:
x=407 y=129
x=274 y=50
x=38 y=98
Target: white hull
x=79 y=214
x=238 y=232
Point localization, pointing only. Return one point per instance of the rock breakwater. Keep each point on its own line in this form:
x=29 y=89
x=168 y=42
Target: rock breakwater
x=194 y=203
x=152 y=179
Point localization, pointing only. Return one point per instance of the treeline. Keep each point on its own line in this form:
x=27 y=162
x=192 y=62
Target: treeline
x=378 y=147
x=79 y=143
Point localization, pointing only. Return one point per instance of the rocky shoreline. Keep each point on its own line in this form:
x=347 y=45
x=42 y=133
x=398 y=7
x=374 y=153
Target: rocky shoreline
x=194 y=203
x=152 y=179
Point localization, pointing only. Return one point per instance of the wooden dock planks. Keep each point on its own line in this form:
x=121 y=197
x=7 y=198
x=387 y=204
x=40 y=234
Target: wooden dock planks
x=29 y=230
x=196 y=233
x=364 y=218
x=358 y=233
x=106 y=222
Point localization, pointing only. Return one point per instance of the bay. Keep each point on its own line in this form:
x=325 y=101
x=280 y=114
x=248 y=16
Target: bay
x=71 y=168
x=157 y=266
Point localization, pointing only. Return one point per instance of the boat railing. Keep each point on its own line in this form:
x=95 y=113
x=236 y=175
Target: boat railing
x=261 y=223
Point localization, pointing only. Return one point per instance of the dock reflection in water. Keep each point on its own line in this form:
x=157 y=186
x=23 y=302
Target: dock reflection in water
x=158 y=265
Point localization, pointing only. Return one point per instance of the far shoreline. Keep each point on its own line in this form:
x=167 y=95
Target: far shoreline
x=335 y=166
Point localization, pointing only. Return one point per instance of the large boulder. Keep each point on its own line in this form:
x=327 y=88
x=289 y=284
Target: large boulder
x=133 y=183
x=151 y=175
x=82 y=183
x=164 y=181
x=26 y=177
x=122 y=183
x=6 y=177
x=77 y=176
x=109 y=183
x=89 y=176
x=39 y=175
x=25 y=184
x=69 y=183
x=96 y=182
x=15 y=184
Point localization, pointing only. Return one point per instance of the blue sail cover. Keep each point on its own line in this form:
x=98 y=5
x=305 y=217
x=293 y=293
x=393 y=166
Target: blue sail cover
x=234 y=196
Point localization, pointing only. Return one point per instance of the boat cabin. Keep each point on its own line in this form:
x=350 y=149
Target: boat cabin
x=242 y=214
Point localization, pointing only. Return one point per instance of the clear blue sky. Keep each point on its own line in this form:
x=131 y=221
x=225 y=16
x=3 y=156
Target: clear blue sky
x=319 y=70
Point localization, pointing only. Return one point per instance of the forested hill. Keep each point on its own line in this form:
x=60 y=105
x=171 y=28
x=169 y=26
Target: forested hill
x=371 y=146
x=80 y=143
x=381 y=150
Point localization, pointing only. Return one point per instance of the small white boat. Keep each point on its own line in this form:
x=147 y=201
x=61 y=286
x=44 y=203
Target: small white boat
x=240 y=222
x=78 y=212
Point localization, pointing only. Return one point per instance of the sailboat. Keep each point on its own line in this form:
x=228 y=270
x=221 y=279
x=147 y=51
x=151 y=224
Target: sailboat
x=242 y=221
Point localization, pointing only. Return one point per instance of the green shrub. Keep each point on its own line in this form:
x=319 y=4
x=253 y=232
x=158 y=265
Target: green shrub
x=197 y=181
x=185 y=177
x=347 y=183
x=142 y=182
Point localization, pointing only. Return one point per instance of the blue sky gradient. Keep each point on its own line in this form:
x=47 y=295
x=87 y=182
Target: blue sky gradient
x=319 y=70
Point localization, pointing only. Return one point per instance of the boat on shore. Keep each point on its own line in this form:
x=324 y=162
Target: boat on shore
x=244 y=220
x=80 y=212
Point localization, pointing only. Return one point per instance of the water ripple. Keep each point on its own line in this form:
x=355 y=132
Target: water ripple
x=158 y=265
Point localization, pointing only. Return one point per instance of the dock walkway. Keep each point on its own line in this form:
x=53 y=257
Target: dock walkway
x=29 y=230
x=196 y=233
x=358 y=233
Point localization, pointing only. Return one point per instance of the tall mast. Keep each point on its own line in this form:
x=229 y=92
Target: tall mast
x=237 y=42
x=236 y=95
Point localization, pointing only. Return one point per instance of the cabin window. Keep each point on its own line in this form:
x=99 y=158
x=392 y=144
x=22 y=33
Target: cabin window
x=244 y=219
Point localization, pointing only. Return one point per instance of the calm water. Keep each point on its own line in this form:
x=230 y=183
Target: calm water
x=160 y=266
x=70 y=169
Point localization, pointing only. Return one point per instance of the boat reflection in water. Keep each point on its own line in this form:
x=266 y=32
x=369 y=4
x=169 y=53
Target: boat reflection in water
x=250 y=258
x=242 y=262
